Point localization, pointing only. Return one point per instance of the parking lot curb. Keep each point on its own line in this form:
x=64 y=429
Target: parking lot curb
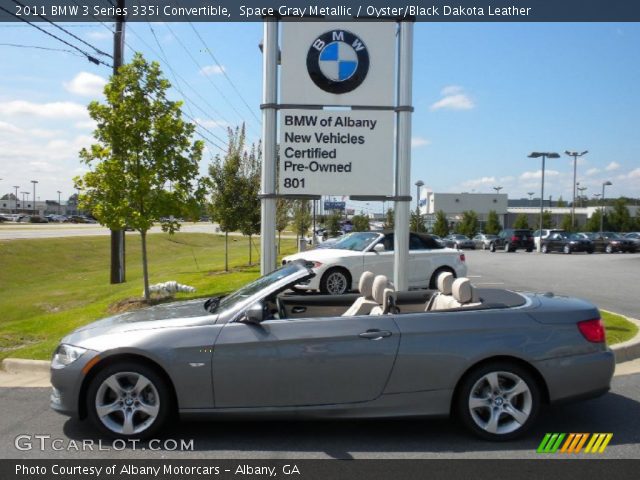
x=629 y=350
x=21 y=365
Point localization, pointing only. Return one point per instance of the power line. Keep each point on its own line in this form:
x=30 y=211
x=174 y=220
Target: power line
x=223 y=71
x=97 y=50
x=94 y=17
x=41 y=48
x=89 y=56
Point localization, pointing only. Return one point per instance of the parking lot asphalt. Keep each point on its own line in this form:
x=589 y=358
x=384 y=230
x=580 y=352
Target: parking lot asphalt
x=611 y=281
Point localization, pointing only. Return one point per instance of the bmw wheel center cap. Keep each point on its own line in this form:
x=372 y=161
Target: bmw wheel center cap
x=338 y=61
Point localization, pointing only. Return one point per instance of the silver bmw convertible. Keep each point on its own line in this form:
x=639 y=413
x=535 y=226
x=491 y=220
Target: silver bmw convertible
x=489 y=357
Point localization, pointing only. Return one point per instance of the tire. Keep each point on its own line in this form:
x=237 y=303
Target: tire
x=608 y=249
x=484 y=247
x=487 y=405
x=544 y=249
x=507 y=248
x=129 y=390
x=434 y=277
x=567 y=249
x=529 y=250
x=590 y=251
x=335 y=281
x=492 y=247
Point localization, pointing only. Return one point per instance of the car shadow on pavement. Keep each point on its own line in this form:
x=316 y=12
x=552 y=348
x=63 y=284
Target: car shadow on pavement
x=344 y=439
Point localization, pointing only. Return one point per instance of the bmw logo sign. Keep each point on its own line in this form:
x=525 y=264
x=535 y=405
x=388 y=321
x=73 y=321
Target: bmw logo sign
x=338 y=61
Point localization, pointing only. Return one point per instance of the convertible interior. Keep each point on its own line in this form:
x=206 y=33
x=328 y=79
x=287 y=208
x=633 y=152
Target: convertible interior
x=377 y=297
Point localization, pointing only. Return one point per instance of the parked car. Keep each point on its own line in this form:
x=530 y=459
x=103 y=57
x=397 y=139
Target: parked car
x=635 y=238
x=259 y=353
x=566 y=243
x=611 y=242
x=545 y=233
x=483 y=240
x=511 y=239
x=456 y=240
x=338 y=269
x=586 y=235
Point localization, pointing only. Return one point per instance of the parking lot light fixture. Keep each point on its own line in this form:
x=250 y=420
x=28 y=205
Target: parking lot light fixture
x=581 y=195
x=575 y=156
x=59 y=192
x=497 y=189
x=34 y=195
x=15 y=199
x=604 y=184
x=418 y=185
x=544 y=156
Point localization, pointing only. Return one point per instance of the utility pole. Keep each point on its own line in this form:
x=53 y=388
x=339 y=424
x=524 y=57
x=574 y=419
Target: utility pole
x=117 y=236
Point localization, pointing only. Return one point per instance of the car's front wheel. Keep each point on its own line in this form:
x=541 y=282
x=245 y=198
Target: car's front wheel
x=498 y=401
x=335 y=281
x=507 y=248
x=567 y=249
x=608 y=249
x=492 y=247
x=128 y=400
x=544 y=249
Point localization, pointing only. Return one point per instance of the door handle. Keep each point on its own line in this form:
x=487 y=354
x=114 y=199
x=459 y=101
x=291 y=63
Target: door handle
x=375 y=334
x=298 y=309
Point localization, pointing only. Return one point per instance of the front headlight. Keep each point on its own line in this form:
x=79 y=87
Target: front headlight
x=66 y=355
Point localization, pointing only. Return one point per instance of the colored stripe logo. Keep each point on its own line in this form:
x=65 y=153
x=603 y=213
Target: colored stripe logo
x=574 y=442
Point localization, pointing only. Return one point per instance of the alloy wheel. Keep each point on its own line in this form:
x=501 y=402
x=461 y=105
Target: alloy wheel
x=336 y=283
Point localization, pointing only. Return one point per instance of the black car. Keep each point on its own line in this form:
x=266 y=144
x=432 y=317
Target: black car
x=458 y=241
x=611 y=242
x=511 y=239
x=566 y=243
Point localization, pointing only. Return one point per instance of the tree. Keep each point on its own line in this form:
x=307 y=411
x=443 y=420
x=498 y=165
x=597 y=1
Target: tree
x=566 y=224
x=593 y=222
x=521 y=221
x=142 y=144
x=283 y=206
x=389 y=220
x=547 y=220
x=360 y=223
x=416 y=222
x=226 y=184
x=492 y=227
x=561 y=202
x=441 y=225
x=469 y=225
x=619 y=218
x=301 y=217
x=333 y=224
x=251 y=166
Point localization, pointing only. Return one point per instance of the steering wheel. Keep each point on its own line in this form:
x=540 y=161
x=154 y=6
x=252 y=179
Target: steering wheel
x=282 y=313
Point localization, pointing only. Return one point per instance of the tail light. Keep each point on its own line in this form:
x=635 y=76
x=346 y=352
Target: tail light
x=514 y=239
x=592 y=330
x=462 y=257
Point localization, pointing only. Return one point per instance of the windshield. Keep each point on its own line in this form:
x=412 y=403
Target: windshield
x=260 y=284
x=357 y=241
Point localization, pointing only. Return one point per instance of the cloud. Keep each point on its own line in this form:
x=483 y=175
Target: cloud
x=453 y=98
x=537 y=174
x=480 y=182
x=592 y=171
x=212 y=70
x=633 y=174
x=612 y=166
x=86 y=125
x=419 y=142
x=86 y=84
x=8 y=128
x=54 y=110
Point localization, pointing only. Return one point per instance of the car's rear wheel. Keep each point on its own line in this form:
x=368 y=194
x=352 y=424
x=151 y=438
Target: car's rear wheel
x=608 y=249
x=128 y=400
x=507 y=248
x=492 y=247
x=335 y=281
x=567 y=249
x=498 y=401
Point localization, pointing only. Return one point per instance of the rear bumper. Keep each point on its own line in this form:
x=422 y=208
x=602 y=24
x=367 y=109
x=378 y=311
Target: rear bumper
x=580 y=376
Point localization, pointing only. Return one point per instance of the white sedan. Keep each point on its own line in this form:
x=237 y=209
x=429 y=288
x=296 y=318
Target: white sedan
x=339 y=267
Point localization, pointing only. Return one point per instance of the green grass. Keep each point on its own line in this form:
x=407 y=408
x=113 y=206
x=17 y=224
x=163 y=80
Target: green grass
x=618 y=328
x=49 y=287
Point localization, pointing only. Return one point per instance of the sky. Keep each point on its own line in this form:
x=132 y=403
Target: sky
x=485 y=96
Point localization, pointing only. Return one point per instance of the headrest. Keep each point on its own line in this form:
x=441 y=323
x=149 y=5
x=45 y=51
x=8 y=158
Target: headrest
x=379 y=284
x=462 y=290
x=389 y=300
x=445 y=282
x=366 y=284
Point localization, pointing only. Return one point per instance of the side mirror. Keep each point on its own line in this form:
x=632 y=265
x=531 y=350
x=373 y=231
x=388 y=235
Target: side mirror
x=378 y=247
x=254 y=314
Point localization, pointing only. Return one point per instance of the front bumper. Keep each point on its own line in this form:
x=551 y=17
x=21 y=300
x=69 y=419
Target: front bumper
x=67 y=384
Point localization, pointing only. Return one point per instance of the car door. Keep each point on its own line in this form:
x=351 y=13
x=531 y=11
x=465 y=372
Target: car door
x=310 y=361
x=420 y=262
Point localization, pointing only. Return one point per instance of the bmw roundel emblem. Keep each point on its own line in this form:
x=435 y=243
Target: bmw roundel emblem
x=338 y=61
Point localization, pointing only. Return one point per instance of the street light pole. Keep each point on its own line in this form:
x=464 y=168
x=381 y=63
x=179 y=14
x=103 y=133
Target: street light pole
x=581 y=190
x=59 y=192
x=530 y=196
x=23 y=194
x=604 y=184
x=418 y=185
x=34 y=195
x=15 y=200
x=497 y=189
x=544 y=156
x=575 y=156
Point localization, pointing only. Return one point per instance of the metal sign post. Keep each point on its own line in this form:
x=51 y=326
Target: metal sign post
x=403 y=156
x=269 y=132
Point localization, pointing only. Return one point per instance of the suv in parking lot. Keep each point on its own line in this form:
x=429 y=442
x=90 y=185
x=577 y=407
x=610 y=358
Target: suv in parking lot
x=511 y=239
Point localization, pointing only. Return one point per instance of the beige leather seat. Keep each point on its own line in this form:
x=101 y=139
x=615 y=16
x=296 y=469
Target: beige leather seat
x=383 y=294
x=463 y=294
x=443 y=298
x=365 y=302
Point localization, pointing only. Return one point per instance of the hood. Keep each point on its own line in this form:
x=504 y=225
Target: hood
x=166 y=315
x=323 y=254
